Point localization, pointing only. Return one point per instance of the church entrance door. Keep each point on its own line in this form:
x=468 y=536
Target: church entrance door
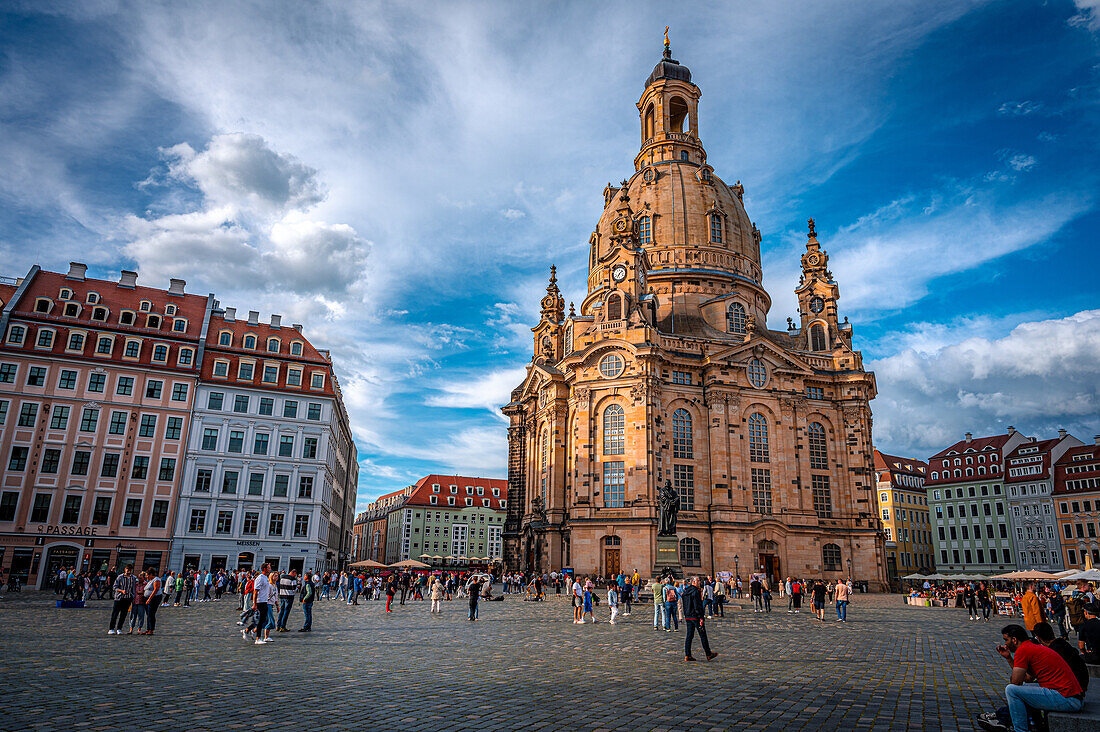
x=611 y=561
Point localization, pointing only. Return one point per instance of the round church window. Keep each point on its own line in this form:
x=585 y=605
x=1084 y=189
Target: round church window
x=612 y=365
x=758 y=375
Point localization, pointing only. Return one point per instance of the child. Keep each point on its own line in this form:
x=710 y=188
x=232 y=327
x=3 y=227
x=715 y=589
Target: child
x=587 y=605
x=613 y=601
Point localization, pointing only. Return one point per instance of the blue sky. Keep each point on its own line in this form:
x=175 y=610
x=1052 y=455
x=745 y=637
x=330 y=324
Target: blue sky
x=399 y=177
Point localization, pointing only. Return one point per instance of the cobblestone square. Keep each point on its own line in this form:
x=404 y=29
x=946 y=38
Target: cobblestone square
x=522 y=666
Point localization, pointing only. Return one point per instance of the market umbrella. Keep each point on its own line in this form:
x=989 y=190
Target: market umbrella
x=367 y=564
x=1092 y=575
x=425 y=556
x=410 y=564
x=915 y=575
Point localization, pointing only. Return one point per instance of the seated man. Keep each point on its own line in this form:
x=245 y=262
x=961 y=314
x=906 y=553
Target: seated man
x=1088 y=634
x=1044 y=633
x=1041 y=680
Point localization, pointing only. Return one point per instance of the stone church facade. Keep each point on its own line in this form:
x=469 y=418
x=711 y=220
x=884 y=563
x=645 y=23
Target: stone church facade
x=669 y=372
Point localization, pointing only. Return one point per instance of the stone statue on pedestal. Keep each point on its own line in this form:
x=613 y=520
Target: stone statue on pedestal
x=669 y=503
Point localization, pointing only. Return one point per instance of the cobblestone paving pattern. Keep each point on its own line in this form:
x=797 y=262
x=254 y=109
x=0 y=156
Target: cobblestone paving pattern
x=521 y=666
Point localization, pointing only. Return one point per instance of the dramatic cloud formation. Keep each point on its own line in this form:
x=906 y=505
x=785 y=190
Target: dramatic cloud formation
x=1040 y=377
x=400 y=176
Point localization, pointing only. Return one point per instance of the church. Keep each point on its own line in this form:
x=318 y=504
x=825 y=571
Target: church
x=669 y=373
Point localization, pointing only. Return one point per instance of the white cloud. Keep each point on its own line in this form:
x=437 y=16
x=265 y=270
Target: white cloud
x=889 y=258
x=1019 y=109
x=1042 y=376
x=512 y=214
x=489 y=391
x=1088 y=15
x=241 y=170
x=1021 y=162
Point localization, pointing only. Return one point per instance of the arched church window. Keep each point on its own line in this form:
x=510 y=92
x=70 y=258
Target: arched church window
x=758 y=374
x=645 y=230
x=758 y=438
x=817 y=337
x=681 y=434
x=545 y=459
x=735 y=318
x=830 y=558
x=648 y=131
x=716 y=228
x=819 y=454
x=614 y=307
x=614 y=430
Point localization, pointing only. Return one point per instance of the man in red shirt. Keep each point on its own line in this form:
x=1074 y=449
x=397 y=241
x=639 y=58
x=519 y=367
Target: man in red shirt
x=1050 y=684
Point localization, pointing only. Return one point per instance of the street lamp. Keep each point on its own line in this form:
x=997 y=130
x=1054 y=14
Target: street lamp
x=849 y=568
x=736 y=565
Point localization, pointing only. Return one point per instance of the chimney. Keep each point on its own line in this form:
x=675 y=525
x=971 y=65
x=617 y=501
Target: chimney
x=1061 y=434
x=77 y=271
x=127 y=279
x=1011 y=430
x=297 y=327
x=175 y=287
x=1031 y=439
x=276 y=321
x=230 y=314
x=969 y=437
x=253 y=317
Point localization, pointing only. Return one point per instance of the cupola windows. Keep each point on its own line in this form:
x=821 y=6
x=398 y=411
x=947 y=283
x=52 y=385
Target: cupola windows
x=645 y=230
x=678 y=115
x=817 y=337
x=716 y=228
x=735 y=318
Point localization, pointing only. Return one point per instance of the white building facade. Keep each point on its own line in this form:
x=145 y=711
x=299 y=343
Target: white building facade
x=1029 y=484
x=270 y=472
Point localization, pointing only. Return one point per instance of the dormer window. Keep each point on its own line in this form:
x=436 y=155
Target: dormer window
x=225 y=338
x=715 y=228
x=145 y=306
x=99 y=314
x=160 y=353
x=126 y=317
x=65 y=294
x=153 y=321
x=296 y=348
x=273 y=345
x=43 y=305
x=250 y=341
x=317 y=380
x=169 y=309
x=93 y=298
x=179 y=325
x=72 y=309
x=645 y=230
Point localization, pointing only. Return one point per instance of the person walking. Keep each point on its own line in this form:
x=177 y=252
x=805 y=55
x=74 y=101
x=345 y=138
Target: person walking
x=436 y=595
x=756 y=592
x=137 y=605
x=693 y=616
x=796 y=596
x=309 y=594
x=578 y=602
x=789 y=586
x=984 y=601
x=613 y=601
x=288 y=589
x=153 y=596
x=970 y=600
x=842 y=594
x=668 y=592
x=123 y=588
x=262 y=595
x=1033 y=611
x=587 y=602
x=819 y=592
x=766 y=593
x=391 y=590
x=474 y=590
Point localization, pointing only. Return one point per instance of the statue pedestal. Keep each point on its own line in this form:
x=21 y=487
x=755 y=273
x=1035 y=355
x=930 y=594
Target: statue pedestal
x=668 y=557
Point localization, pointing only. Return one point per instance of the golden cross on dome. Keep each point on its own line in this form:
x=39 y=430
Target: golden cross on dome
x=666 y=35
x=813 y=231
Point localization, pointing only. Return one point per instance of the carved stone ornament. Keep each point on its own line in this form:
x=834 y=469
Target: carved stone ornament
x=638 y=393
x=583 y=395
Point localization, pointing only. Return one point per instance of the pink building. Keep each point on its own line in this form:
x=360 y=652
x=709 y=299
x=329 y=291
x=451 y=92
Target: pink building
x=97 y=382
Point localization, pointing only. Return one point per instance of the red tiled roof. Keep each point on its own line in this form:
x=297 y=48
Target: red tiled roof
x=115 y=299
x=311 y=359
x=896 y=464
x=976 y=444
x=1068 y=455
x=422 y=491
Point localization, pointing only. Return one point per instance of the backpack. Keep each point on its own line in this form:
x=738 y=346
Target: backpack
x=670 y=594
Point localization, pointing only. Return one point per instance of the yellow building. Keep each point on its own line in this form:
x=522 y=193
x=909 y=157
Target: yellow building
x=670 y=373
x=903 y=508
